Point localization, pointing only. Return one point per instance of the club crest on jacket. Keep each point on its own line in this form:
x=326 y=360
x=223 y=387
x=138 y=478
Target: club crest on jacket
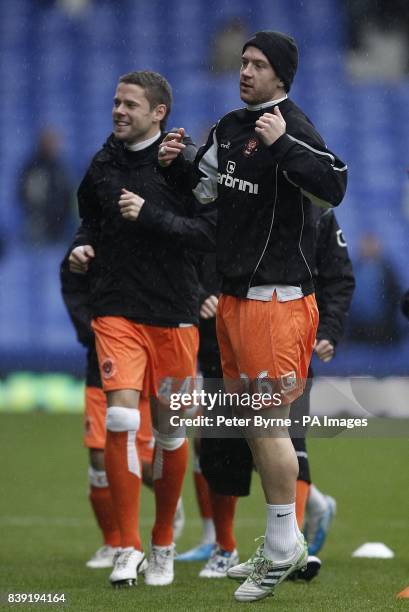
x=250 y=147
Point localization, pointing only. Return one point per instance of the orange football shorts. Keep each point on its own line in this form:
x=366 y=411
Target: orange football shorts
x=262 y=341
x=137 y=356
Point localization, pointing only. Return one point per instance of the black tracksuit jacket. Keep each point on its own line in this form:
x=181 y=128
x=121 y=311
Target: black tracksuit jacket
x=265 y=229
x=144 y=270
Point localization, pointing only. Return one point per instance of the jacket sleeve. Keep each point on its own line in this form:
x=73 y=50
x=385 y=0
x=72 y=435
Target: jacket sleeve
x=89 y=212
x=189 y=153
x=307 y=164
x=75 y=294
x=199 y=176
x=198 y=232
x=209 y=279
x=335 y=280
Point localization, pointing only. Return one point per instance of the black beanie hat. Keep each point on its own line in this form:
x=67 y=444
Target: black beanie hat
x=280 y=50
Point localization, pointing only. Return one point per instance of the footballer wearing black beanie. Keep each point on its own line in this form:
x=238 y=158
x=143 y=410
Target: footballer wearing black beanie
x=280 y=50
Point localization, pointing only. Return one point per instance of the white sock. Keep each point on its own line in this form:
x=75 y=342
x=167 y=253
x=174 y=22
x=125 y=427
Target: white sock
x=316 y=502
x=281 y=537
x=299 y=533
x=209 y=532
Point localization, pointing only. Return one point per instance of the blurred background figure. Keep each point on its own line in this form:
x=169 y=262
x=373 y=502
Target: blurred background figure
x=375 y=305
x=46 y=192
x=73 y=8
x=378 y=36
x=227 y=45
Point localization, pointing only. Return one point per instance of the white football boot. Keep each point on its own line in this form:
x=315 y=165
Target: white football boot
x=268 y=574
x=104 y=557
x=127 y=564
x=160 y=565
x=219 y=562
x=243 y=570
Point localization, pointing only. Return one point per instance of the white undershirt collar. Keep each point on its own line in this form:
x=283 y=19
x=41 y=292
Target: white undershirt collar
x=256 y=107
x=142 y=145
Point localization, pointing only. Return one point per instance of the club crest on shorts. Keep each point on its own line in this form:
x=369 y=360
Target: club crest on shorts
x=108 y=368
x=250 y=147
x=288 y=381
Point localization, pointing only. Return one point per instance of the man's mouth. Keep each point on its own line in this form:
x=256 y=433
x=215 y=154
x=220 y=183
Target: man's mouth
x=121 y=123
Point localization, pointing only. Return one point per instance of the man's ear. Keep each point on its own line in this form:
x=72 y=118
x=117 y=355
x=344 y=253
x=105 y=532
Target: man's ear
x=160 y=112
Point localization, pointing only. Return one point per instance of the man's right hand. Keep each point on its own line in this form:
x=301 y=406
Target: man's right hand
x=324 y=349
x=80 y=258
x=170 y=147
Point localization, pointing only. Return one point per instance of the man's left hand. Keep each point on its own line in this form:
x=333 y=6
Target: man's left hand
x=271 y=126
x=130 y=205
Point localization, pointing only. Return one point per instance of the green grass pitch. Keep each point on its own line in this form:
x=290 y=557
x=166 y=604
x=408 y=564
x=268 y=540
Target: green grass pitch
x=48 y=532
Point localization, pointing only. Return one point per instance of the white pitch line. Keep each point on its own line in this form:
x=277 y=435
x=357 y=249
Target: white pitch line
x=46 y=521
x=54 y=521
